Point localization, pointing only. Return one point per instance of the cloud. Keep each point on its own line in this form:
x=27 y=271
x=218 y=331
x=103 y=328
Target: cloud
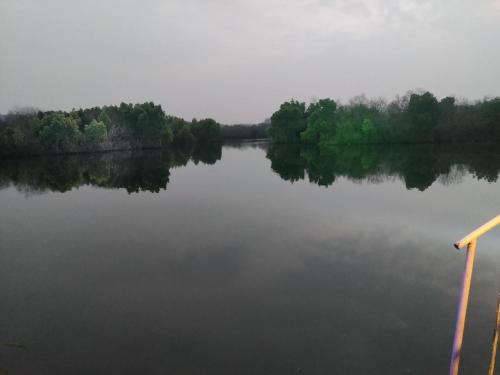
x=237 y=60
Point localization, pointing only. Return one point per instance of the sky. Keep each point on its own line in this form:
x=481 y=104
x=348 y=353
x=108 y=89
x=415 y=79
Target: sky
x=237 y=61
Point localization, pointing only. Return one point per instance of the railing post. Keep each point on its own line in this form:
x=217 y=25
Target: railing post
x=462 y=308
x=494 y=343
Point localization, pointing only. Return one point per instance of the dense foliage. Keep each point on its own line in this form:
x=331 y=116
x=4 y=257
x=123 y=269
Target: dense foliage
x=288 y=123
x=417 y=117
x=238 y=131
x=127 y=126
x=413 y=118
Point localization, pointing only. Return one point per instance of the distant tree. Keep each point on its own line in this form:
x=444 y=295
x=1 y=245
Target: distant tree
x=447 y=105
x=105 y=118
x=489 y=118
x=360 y=122
x=95 y=133
x=348 y=132
x=166 y=135
x=205 y=131
x=59 y=132
x=446 y=131
x=320 y=122
x=85 y=116
x=288 y=122
x=181 y=132
x=368 y=132
x=258 y=131
x=150 y=119
x=423 y=111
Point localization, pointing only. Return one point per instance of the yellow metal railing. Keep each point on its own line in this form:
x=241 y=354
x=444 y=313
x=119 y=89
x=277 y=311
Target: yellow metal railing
x=495 y=340
x=471 y=242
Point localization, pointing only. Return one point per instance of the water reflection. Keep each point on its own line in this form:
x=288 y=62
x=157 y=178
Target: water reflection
x=419 y=166
x=134 y=171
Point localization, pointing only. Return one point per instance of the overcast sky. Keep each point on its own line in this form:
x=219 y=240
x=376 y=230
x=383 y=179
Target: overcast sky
x=236 y=61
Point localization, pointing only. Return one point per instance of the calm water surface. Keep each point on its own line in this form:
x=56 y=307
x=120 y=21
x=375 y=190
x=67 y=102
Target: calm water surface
x=246 y=260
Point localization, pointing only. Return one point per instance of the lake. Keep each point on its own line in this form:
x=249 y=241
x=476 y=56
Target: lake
x=246 y=259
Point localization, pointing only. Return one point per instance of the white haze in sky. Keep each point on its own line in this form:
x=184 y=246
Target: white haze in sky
x=236 y=61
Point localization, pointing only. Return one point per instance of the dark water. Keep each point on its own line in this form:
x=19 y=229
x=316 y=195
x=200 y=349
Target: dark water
x=246 y=260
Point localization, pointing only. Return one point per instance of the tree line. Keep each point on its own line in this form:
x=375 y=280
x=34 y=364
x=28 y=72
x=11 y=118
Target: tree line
x=127 y=126
x=245 y=131
x=417 y=117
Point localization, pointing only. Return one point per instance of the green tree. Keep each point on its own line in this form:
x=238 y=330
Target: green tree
x=368 y=131
x=181 y=132
x=59 y=132
x=320 y=122
x=488 y=122
x=348 y=131
x=95 y=133
x=150 y=119
x=423 y=112
x=166 y=135
x=105 y=118
x=205 y=131
x=445 y=130
x=18 y=136
x=288 y=122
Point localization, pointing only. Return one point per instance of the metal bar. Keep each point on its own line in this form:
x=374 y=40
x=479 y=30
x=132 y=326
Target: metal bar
x=494 y=344
x=478 y=232
x=462 y=308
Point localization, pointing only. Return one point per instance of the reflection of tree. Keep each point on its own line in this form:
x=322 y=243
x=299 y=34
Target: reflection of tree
x=149 y=172
x=485 y=165
x=419 y=171
x=286 y=161
x=40 y=174
x=208 y=153
x=417 y=165
x=319 y=166
x=133 y=171
x=454 y=176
